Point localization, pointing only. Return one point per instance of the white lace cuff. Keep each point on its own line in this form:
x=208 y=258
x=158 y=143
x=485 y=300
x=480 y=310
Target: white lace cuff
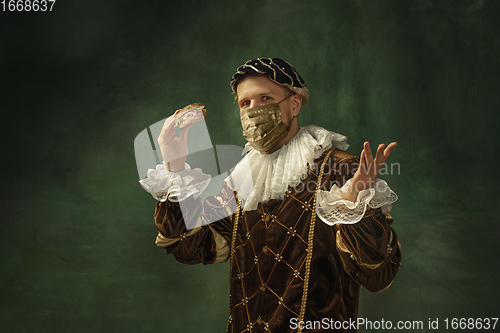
x=333 y=208
x=174 y=186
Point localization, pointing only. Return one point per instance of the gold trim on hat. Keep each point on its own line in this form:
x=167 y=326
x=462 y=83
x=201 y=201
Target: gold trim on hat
x=274 y=71
x=291 y=78
x=303 y=91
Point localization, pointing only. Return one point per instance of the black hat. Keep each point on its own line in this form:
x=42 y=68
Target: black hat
x=278 y=71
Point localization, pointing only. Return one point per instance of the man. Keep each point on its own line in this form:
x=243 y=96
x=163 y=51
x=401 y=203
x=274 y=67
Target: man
x=289 y=270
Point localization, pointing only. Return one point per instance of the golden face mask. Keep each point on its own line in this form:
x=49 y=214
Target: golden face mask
x=263 y=126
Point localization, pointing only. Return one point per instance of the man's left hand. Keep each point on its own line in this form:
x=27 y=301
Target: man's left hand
x=368 y=168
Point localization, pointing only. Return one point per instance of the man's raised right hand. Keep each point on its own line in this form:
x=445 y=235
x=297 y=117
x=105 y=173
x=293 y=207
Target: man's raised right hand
x=174 y=149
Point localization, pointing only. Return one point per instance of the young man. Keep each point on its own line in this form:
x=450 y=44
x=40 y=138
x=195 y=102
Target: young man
x=303 y=222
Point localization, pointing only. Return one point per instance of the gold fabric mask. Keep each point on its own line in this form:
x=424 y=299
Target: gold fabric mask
x=263 y=126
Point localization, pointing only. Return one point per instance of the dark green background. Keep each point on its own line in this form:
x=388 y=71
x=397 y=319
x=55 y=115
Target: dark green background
x=79 y=83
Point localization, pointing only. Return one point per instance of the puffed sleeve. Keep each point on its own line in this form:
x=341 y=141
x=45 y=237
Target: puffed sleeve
x=194 y=232
x=175 y=186
x=367 y=244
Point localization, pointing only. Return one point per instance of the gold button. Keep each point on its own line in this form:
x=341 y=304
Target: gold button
x=259 y=321
x=264 y=249
x=262 y=288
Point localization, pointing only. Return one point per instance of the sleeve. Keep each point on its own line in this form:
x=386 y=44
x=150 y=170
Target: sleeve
x=334 y=208
x=368 y=246
x=174 y=186
x=184 y=230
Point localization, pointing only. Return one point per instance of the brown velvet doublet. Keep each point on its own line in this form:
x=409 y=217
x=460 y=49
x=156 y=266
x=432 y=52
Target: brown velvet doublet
x=270 y=249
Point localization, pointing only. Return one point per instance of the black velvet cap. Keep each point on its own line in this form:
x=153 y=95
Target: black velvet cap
x=278 y=71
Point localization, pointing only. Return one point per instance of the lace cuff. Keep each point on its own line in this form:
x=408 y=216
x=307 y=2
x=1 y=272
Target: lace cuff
x=174 y=186
x=333 y=207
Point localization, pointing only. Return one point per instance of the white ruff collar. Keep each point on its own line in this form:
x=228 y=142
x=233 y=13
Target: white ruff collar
x=258 y=178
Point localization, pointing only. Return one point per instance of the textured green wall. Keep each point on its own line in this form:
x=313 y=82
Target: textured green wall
x=79 y=83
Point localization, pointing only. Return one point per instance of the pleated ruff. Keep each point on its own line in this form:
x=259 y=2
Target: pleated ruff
x=258 y=177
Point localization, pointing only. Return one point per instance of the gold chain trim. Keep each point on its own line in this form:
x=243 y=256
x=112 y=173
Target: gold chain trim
x=309 y=248
x=236 y=217
x=310 y=240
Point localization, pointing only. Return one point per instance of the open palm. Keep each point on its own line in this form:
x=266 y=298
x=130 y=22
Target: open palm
x=368 y=168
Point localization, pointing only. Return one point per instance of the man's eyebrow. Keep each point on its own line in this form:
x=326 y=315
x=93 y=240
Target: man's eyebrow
x=267 y=93
x=260 y=94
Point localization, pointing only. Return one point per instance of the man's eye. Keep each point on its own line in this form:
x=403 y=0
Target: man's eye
x=245 y=103
x=266 y=98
